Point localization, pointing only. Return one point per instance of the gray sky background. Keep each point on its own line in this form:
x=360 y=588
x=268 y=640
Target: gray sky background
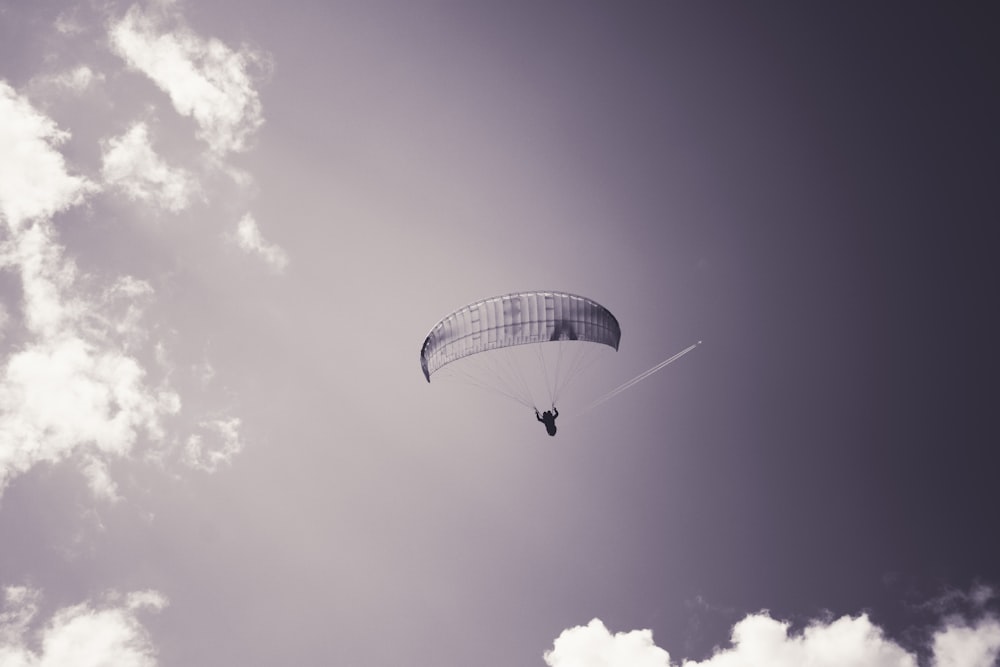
x=228 y=226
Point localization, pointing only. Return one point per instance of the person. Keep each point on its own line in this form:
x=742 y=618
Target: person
x=549 y=419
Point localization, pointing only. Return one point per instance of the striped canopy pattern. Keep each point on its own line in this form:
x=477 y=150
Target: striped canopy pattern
x=517 y=319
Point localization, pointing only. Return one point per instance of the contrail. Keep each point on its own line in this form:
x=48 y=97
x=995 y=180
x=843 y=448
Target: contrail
x=638 y=378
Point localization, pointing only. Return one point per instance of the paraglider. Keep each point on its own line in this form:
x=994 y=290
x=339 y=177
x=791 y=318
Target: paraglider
x=549 y=419
x=526 y=346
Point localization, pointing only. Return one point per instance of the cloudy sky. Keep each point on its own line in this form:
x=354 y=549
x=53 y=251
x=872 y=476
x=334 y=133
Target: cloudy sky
x=226 y=228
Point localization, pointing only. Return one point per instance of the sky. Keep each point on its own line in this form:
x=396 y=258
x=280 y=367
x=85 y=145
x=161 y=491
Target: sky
x=226 y=228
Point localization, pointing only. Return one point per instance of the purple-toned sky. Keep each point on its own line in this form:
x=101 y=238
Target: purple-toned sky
x=226 y=228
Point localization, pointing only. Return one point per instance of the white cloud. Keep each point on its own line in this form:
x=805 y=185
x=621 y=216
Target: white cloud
x=148 y=599
x=76 y=386
x=204 y=78
x=131 y=165
x=216 y=447
x=594 y=646
x=249 y=238
x=847 y=641
x=64 y=395
x=84 y=635
x=761 y=641
x=73 y=387
x=45 y=277
x=34 y=182
x=960 y=645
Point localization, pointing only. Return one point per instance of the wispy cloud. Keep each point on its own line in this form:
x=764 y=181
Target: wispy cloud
x=106 y=633
x=67 y=23
x=204 y=78
x=762 y=641
x=131 y=166
x=216 y=445
x=249 y=238
x=80 y=378
x=953 y=601
x=72 y=386
x=76 y=80
x=99 y=480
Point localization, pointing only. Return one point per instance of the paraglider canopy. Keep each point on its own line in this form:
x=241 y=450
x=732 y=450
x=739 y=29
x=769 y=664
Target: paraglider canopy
x=517 y=319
